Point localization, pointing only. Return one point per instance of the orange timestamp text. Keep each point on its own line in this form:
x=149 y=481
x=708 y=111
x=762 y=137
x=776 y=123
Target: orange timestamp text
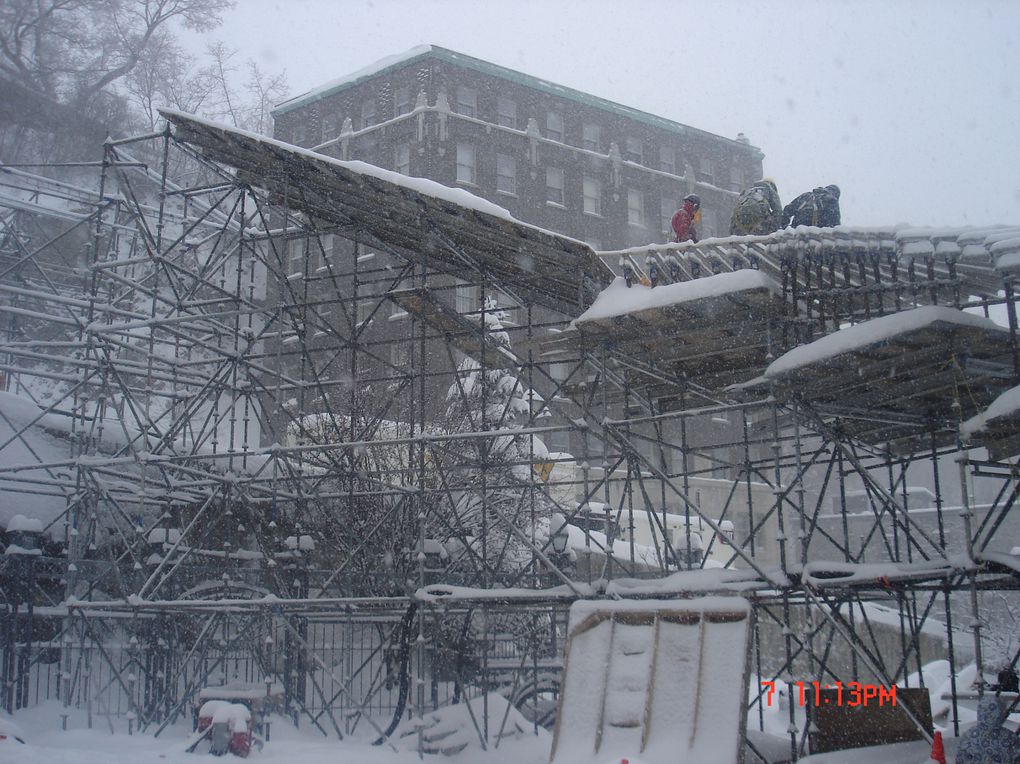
x=836 y=694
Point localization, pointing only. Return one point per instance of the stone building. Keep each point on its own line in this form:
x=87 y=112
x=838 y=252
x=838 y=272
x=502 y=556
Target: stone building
x=553 y=156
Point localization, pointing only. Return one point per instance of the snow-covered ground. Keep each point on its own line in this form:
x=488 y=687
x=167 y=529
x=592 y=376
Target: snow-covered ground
x=47 y=743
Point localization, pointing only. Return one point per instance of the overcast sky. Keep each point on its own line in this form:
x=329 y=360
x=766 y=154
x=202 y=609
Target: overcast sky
x=911 y=106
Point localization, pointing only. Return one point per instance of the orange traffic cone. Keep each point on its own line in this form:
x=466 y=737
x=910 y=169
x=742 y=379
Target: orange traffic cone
x=938 y=751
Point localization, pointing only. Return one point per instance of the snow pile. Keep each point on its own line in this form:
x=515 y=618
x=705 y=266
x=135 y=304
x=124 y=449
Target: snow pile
x=1005 y=405
x=873 y=332
x=236 y=716
x=10 y=730
x=453 y=729
x=20 y=523
x=617 y=299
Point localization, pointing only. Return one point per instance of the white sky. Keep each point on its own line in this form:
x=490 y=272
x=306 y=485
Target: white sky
x=911 y=106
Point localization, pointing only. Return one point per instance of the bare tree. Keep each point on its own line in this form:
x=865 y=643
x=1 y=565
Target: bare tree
x=250 y=109
x=72 y=50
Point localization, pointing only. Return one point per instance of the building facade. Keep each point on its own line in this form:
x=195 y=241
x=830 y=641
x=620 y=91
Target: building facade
x=554 y=157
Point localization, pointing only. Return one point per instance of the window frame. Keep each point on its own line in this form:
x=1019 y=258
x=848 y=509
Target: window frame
x=398 y=103
x=504 y=162
x=596 y=196
x=629 y=143
x=632 y=195
x=399 y=149
x=667 y=153
x=551 y=172
x=369 y=117
x=506 y=118
x=463 y=146
x=587 y=141
x=551 y=133
x=467 y=107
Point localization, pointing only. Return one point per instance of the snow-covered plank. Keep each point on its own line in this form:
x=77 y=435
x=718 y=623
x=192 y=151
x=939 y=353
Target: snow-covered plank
x=619 y=300
x=717 y=325
x=415 y=217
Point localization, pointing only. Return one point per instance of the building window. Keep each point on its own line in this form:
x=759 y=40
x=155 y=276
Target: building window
x=400 y=353
x=666 y=209
x=331 y=126
x=506 y=112
x=592 y=196
x=401 y=101
x=366 y=146
x=554 y=126
x=467 y=297
x=554 y=185
x=366 y=300
x=398 y=309
x=467 y=101
x=368 y=113
x=633 y=150
x=296 y=251
x=298 y=134
x=591 y=137
x=506 y=174
x=706 y=172
x=402 y=158
x=635 y=207
x=326 y=244
x=667 y=159
x=709 y=223
x=736 y=179
x=466 y=163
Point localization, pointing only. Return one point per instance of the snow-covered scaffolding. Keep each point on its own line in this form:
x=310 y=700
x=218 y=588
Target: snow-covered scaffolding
x=297 y=422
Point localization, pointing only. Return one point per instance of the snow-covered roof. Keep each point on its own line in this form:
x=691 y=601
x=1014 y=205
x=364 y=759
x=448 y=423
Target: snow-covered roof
x=393 y=62
x=353 y=78
x=407 y=213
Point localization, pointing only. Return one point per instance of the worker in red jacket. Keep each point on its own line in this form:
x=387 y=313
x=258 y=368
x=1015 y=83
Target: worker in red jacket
x=685 y=218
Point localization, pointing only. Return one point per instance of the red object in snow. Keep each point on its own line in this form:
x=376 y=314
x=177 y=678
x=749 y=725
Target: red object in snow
x=938 y=751
x=240 y=742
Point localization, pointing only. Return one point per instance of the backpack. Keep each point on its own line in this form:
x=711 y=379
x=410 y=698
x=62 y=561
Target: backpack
x=752 y=213
x=828 y=208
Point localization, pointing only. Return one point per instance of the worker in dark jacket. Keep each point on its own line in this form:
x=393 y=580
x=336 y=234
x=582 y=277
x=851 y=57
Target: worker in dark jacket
x=819 y=207
x=685 y=218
